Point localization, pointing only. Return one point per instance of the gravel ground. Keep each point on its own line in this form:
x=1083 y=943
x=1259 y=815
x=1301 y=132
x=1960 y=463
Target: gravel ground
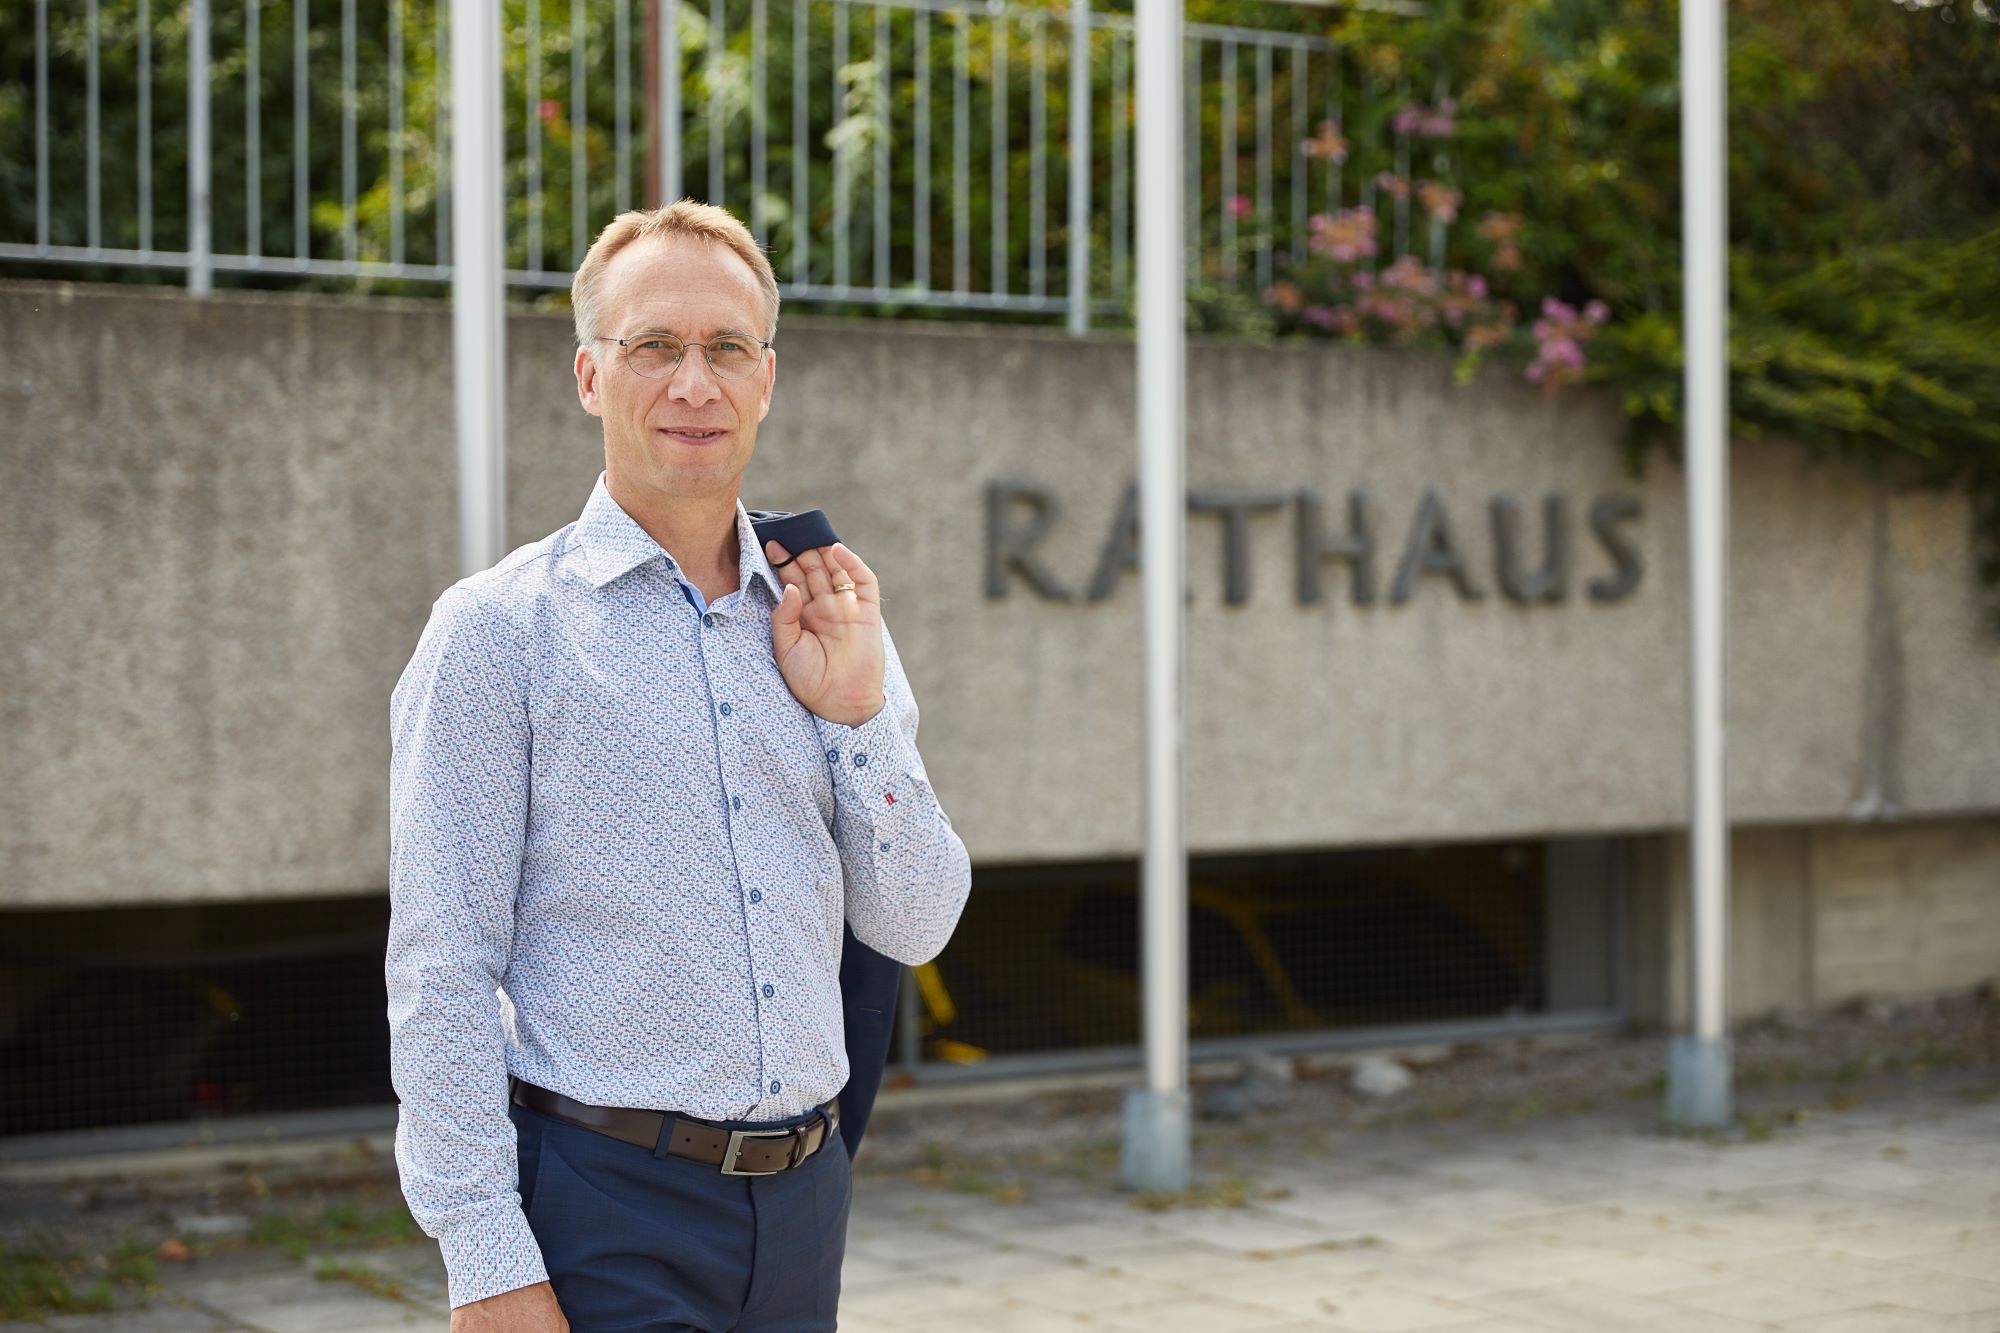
x=1785 y=1065
x=1007 y=1142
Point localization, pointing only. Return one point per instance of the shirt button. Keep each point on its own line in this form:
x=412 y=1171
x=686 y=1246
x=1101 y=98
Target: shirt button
x=775 y=1086
x=736 y=803
x=726 y=710
x=885 y=846
x=833 y=756
x=756 y=895
x=860 y=760
x=769 y=990
x=708 y=621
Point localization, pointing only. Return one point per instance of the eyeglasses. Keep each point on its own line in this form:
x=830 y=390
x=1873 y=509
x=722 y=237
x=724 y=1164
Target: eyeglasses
x=731 y=356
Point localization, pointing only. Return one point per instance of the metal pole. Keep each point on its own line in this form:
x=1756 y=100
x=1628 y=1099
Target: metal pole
x=1698 y=1080
x=1079 y=166
x=200 y=271
x=478 y=284
x=667 y=122
x=1156 y=1116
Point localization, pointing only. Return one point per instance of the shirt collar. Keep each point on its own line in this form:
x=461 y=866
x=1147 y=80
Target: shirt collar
x=614 y=544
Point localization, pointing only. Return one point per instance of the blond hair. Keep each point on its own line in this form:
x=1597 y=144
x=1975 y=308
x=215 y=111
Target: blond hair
x=704 y=222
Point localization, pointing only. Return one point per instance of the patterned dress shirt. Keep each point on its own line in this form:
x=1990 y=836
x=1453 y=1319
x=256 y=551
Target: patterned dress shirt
x=620 y=856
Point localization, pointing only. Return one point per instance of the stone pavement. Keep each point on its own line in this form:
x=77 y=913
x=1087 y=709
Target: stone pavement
x=1882 y=1217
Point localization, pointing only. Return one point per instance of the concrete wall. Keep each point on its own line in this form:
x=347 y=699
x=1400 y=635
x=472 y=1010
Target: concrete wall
x=1822 y=915
x=226 y=521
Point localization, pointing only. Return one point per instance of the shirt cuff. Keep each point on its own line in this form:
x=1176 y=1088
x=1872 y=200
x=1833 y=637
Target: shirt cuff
x=491 y=1253
x=872 y=757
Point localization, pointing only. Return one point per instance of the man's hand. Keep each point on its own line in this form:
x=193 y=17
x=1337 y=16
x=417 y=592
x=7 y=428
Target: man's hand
x=829 y=643
x=522 y=1310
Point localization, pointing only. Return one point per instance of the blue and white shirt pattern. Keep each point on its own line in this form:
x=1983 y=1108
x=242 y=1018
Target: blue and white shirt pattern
x=620 y=857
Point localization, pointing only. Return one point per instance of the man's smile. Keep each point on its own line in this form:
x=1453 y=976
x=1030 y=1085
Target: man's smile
x=694 y=434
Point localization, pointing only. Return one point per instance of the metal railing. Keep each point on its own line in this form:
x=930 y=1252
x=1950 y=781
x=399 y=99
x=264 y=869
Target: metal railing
x=889 y=153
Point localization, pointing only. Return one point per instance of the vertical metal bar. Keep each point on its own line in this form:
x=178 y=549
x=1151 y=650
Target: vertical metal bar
x=1121 y=120
x=1191 y=197
x=760 y=130
x=1403 y=175
x=201 y=271
x=349 y=137
x=478 y=285
x=301 y=184
x=1440 y=172
x=146 y=116
x=997 y=143
x=397 y=17
x=668 y=132
x=531 y=106
x=1335 y=168
x=42 y=124
x=621 y=108
x=718 y=127
x=1225 y=149
x=920 y=219
x=881 y=52
x=843 y=156
x=1038 y=159
x=961 y=157
x=92 y=195
x=1296 y=239
x=441 y=106
x=1367 y=190
x=801 y=158
x=1698 y=1084
x=1156 y=1148
x=1079 y=166
x=579 y=123
x=1263 y=165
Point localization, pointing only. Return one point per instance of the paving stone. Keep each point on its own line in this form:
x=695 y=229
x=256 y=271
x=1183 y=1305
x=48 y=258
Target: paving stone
x=1768 y=1299
x=1890 y=1319
x=1189 y=1315
x=1578 y=1307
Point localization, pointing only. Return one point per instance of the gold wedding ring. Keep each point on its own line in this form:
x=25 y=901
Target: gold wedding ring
x=845 y=585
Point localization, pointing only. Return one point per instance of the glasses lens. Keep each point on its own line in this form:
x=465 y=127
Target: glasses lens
x=653 y=355
x=733 y=356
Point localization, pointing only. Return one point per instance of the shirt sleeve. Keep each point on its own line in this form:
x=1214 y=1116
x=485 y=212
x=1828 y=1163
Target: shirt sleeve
x=906 y=870
x=458 y=806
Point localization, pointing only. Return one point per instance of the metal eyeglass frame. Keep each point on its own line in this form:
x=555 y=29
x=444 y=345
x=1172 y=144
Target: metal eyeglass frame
x=625 y=351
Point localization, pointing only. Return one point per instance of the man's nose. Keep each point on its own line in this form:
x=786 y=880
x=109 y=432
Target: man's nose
x=693 y=382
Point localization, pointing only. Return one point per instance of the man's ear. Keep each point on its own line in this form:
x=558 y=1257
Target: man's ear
x=587 y=382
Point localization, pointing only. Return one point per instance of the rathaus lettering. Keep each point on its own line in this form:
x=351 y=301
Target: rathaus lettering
x=1019 y=516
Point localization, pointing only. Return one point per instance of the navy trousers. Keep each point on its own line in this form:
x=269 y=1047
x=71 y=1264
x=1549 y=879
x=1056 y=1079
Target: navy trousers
x=639 y=1242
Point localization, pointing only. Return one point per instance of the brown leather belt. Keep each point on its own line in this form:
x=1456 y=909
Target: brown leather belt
x=739 y=1152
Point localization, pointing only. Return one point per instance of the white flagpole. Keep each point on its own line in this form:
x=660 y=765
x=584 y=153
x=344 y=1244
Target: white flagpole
x=1698 y=1080
x=1156 y=1115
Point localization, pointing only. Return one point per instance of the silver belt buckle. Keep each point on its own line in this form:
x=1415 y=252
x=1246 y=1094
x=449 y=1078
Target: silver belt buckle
x=736 y=1137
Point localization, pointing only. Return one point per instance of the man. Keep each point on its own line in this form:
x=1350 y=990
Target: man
x=644 y=770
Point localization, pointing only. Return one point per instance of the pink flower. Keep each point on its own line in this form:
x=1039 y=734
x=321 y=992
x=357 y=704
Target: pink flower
x=1391 y=184
x=1440 y=201
x=1344 y=236
x=1410 y=275
x=1285 y=296
x=1476 y=285
x=1327 y=145
x=550 y=111
x=1424 y=121
x=1239 y=206
x=1322 y=315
